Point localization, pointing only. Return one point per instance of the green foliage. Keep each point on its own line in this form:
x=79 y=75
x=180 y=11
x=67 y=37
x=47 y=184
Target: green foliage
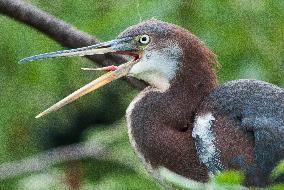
x=230 y=177
x=276 y=187
x=247 y=36
x=278 y=170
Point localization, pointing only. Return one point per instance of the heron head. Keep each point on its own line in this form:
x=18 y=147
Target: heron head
x=155 y=57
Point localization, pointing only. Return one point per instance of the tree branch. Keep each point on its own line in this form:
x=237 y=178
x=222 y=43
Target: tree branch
x=50 y=158
x=65 y=34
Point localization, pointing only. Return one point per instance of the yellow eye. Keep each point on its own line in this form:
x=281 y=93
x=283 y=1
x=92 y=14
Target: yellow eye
x=144 y=39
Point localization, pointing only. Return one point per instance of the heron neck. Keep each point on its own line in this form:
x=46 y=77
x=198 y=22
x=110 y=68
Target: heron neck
x=189 y=89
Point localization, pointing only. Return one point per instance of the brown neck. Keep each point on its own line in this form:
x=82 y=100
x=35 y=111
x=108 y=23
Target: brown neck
x=161 y=123
x=196 y=77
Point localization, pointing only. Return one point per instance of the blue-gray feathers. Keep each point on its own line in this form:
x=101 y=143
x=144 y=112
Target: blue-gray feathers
x=256 y=109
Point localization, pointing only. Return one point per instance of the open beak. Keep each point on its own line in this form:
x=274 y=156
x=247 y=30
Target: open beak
x=120 y=46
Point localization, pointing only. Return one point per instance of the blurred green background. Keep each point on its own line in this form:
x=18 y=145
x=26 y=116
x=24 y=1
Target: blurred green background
x=246 y=35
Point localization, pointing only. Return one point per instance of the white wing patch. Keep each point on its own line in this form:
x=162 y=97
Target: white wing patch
x=205 y=143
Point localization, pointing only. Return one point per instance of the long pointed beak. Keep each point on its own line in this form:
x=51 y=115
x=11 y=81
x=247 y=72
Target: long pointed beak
x=102 y=48
x=123 y=46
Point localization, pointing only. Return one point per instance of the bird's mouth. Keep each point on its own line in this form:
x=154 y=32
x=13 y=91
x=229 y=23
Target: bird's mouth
x=121 y=46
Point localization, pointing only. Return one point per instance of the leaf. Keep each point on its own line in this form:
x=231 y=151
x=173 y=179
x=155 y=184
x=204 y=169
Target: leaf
x=230 y=177
x=278 y=170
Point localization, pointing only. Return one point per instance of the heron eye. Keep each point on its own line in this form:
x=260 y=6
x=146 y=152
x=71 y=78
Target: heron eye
x=144 y=39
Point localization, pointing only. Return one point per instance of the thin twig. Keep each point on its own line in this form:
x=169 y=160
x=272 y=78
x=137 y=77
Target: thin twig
x=50 y=158
x=65 y=34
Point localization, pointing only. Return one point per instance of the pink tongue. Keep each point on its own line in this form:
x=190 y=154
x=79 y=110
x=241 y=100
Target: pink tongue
x=108 y=68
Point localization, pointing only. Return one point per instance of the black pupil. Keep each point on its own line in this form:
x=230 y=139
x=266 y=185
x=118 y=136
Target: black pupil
x=144 y=39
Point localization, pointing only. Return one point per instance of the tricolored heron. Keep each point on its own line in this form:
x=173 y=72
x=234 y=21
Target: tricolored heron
x=184 y=120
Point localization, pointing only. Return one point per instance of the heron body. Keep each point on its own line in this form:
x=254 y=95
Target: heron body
x=184 y=121
x=197 y=128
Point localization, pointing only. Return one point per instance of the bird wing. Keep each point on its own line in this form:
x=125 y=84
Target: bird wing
x=254 y=145
x=240 y=125
x=268 y=136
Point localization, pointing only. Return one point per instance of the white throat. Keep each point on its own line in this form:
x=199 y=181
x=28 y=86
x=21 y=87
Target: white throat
x=158 y=68
x=156 y=79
